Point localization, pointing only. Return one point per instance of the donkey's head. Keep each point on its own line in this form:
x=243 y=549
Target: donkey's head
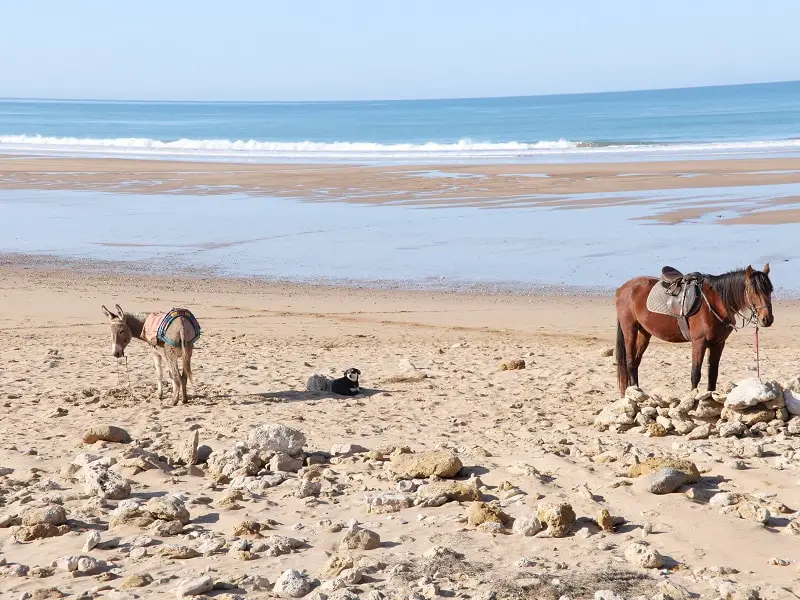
x=120 y=332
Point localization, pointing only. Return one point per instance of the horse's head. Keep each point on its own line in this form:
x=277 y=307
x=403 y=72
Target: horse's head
x=120 y=332
x=758 y=292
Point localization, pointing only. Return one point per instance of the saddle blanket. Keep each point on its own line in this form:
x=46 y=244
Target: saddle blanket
x=165 y=327
x=657 y=300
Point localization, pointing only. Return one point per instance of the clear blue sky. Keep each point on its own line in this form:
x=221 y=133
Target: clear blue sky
x=364 y=49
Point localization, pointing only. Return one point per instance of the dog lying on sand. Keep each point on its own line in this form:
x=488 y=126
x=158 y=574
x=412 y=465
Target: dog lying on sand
x=343 y=386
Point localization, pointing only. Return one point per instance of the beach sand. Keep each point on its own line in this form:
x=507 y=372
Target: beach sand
x=498 y=186
x=432 y=379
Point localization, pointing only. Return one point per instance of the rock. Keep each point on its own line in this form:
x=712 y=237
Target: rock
x=194 y=586
x=52 y=514
x=308 y=488
x=748 y=416
x=278 y=545
x=48 y=593
x=670 y=591
x=558 y=518
x=792 y=527
x=607 y=595
x=513 y=365
x=723 y=499
x=236 y=460
x=81 y=565
x=791 y=399
x=620 y=412
x=357 y=538
x=102 y=482
x=187 y=452
x=388 y=502
x=604 y=520
x=793 y=426
x=750 y=511
x=166 y=528
x=292 y=584
x=636 y=395
x=129 y=513
x=210 y=545
x=750 y=392
x=656 y=464
x=641 y=555
x=105 y=433
x=28 y=533
x=734 y=429
x=276 y=437
x=177 y=552
x=438 y=493
x=335 y=565
x=167 y=508
x=91 y=541
x=482 y=512
x=441 y=463
x=656 y=430
x=282 y=462
x=250 y=528
x=707 y=409
x=701 y=432
x=527 y=526
x=136 y=581
x=682 y=426
x=663 y=481
x=347 y=449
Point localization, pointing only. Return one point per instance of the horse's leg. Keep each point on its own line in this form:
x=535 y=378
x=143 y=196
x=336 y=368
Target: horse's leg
x=631 y=344
x=159 y=372
x=642 y=341
x=714 y=354
x=698 y=354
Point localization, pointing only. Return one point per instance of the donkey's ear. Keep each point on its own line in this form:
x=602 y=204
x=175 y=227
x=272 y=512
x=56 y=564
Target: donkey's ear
x=748 y=272
x=120 y=314
x=108 y=313
x=766 y=269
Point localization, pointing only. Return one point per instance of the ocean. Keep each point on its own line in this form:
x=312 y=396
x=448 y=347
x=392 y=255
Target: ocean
x=710 y=122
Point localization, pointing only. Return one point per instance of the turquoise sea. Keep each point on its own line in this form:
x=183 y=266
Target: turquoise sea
x=724 y=121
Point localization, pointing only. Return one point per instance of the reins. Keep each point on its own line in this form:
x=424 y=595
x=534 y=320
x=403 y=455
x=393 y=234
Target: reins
x=753 y=318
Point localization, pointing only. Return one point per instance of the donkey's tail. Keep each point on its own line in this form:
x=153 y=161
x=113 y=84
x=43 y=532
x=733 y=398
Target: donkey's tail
x=187 y=356
x=622 y=360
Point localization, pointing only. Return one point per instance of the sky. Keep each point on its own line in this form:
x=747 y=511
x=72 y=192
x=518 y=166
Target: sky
x=387 y=49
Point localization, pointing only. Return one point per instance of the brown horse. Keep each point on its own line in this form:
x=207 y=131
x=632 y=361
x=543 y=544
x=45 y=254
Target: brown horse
x=126 y=326
x=722 y=298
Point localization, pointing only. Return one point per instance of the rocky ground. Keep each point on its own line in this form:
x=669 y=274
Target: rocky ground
x=478 y=463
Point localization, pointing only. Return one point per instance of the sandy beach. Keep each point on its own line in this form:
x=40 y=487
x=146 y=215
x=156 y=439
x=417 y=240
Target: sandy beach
x=432 y=380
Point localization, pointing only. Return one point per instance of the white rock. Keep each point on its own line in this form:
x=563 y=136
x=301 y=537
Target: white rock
x=527 y=526
x=81 y=565
x=722 y=499
x=194 y=586
x=750 y=392
x=642 y=555
x=292 y=584
x=276 y=437
x=91 y=541
x=102 y=482
x=606 y=595
x=792 y=400
x=620 y=412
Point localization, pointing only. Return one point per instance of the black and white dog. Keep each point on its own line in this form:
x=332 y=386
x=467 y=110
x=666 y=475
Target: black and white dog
x=347 y=385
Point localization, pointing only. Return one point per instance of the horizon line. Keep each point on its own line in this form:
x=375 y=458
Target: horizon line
x=367 y=100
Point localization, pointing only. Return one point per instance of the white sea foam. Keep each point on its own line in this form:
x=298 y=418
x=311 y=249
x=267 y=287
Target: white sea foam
x=252 y=149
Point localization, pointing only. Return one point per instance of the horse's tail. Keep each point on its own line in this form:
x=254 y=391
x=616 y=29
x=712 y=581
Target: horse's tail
x=622 y=360
x=186 y=355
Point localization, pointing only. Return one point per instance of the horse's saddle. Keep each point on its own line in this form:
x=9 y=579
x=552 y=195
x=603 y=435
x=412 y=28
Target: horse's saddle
x=683 y=295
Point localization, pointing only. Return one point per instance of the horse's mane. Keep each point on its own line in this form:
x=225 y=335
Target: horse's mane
x=731 y=287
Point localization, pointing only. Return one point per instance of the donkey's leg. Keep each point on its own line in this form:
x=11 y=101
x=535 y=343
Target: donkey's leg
x=184 y=376
x=642 y=341
x=159 y=372
x=714 y=354
x=698 y=354
x=175 y=375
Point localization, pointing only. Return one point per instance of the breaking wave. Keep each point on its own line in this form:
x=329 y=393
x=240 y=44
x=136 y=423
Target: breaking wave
x=253 y=149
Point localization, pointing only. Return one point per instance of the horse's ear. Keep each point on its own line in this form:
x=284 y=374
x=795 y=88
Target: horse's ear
x=748 y=272
x=766 y=269
x=120 y=314
x=108 y=313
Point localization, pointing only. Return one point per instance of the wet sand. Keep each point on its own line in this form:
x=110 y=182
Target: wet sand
x=498 y=186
